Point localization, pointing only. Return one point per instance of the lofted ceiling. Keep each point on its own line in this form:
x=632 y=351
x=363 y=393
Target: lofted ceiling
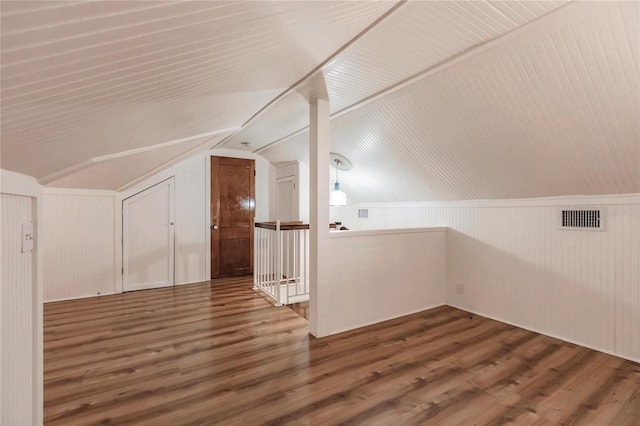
x=550 y=110
x=436 y=100
x=81 y=80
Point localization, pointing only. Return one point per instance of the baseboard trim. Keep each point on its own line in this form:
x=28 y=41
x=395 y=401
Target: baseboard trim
x=564 y=339
x=342 y=330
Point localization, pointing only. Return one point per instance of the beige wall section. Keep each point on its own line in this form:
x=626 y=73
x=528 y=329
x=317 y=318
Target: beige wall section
x=517 y=266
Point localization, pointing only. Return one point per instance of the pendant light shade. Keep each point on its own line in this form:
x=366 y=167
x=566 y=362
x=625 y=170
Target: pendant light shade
x=337 y=197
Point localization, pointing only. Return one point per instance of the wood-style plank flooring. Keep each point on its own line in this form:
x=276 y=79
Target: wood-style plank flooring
x=220 y=354
x=301 y=308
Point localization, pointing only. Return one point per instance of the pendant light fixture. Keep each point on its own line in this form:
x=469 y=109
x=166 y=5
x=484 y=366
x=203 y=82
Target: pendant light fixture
x=337 y=197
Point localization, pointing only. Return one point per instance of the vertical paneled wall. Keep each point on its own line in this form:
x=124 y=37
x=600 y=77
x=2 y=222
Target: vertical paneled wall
x=79 y=244
x=82 y=240
x=516 y=265
x=378 y=275
x=625 y=226
x=17 y=294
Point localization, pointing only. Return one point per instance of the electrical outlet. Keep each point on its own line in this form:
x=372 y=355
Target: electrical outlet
x=460 y=288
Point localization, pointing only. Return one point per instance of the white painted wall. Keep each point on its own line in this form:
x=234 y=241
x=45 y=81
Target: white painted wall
x=272 y=191
x=16 y=319
x=80 y=244
x=347 y=215
x=20 y=302
x=518 y=267
x=191 y=223
x=84 y=229
x=379 y=275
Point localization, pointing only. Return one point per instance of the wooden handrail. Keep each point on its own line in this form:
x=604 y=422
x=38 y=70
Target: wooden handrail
x=284 y=226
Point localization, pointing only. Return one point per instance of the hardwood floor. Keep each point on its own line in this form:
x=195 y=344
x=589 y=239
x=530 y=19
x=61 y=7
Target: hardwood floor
x=218 y=353
x=301 y=308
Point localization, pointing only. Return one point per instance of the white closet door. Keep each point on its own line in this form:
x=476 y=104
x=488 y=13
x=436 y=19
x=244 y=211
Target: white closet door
x=286 y=199
x=148 y=238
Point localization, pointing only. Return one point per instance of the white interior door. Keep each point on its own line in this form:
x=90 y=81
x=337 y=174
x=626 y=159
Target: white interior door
x=148 y=238
x=286 y=199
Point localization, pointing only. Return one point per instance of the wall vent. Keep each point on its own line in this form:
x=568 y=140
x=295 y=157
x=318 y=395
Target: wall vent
x=363 y=213
x=582 y=219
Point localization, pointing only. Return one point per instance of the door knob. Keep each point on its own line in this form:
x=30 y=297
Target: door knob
x=214 y=227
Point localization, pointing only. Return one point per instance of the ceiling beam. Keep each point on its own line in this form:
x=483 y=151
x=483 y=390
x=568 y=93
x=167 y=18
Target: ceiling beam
x=163 y=144
x=95 y=160
x=318 y=69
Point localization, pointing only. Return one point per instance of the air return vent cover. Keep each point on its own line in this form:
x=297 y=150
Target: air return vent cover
x=591 y=219
x=363 y=213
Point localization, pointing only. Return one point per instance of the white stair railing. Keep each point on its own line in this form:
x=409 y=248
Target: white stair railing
x=281 y=259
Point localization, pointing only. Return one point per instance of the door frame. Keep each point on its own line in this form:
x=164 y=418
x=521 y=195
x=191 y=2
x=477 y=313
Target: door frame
x=125 y=232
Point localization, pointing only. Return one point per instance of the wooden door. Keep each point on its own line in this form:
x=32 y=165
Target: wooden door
x=148 y=238
x=232 y=213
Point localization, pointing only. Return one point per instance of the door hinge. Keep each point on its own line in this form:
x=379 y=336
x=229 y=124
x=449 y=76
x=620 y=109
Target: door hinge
x=254 y=172
x=122 y=270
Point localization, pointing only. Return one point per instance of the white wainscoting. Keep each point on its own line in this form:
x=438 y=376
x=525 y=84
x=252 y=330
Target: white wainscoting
x=18 y=317
x=517 y=266
x=79 y=244
x=83 y=229
x=377 y=276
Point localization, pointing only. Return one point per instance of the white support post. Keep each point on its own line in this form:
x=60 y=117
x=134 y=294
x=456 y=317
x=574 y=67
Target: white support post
x=279 y=256
x=295 y=260
x=286 y=260
x=319 y=145
x=305 y=261
x=256 y=255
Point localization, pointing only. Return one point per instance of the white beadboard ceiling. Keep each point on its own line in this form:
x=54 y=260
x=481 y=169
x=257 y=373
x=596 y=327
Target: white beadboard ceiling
x=551 y=109
x=415 y=38
x=434 y=100
x=86 y=79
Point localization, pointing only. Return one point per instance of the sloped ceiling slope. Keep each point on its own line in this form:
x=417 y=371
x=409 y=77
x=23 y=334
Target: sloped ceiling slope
x=82 y=80
x=436 y=100
x=416 y=37
x=550 y=109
